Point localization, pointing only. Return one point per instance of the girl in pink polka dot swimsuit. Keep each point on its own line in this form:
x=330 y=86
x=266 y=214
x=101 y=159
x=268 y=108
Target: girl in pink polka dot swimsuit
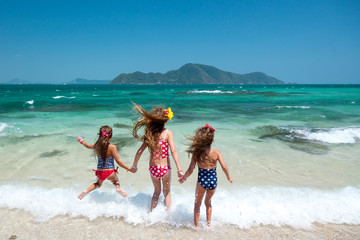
x=158 y=140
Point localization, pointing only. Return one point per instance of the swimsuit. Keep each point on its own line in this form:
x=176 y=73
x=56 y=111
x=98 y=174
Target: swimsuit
x=160 y=171
x=104 y=174
x=108 y=163
x=164 y=149
x=207 y=178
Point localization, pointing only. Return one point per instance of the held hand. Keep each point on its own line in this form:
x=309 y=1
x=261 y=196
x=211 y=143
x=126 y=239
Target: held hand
x=181 y=180
x=180 y=174
x=79 y=138
x=230 y=180
x=133 y=169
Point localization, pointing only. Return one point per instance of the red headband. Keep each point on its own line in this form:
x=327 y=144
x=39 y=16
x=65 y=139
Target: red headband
x=208 y=126
x=105 y=134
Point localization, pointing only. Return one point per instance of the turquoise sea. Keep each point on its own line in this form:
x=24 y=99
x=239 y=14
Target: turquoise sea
x=293 y=151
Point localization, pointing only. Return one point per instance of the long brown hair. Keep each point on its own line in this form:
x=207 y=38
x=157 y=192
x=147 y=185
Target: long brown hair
x=201 y=142
x=153 y=124
x=103 y=142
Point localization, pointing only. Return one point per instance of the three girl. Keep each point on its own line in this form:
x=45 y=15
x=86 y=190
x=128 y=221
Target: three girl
x=158 y=140
x=206 y=158
x=106 y=154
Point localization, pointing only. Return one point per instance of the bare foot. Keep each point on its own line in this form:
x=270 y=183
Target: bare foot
x=122 y=193
x=82 y=195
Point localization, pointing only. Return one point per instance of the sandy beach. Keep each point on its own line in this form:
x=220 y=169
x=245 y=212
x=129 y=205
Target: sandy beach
x=20 y=225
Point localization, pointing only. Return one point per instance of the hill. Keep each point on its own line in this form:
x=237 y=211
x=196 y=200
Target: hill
x=17 y=81
x=85 y=81
x=195 y=74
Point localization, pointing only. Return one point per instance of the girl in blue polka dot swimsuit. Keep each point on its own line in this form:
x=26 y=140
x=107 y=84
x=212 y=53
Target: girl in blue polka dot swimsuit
x=206 y=158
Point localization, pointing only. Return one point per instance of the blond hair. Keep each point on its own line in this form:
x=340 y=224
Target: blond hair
x=153 y=124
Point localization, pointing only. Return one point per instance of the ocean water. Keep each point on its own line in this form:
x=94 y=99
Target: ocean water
x=293 y=151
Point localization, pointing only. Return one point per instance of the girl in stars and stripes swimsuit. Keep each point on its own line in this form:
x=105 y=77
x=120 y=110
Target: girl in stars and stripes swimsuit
x=206 y=158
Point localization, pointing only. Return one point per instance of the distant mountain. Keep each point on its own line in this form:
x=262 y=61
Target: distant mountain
x=17 y=81
x=85 y=81
x=195 y=74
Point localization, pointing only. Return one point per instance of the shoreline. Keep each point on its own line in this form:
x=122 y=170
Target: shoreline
x=292 y=152
x=19 y=224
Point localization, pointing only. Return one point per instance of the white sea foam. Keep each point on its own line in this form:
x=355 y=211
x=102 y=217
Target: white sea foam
x=333 y=135
x=57 y=97
x=243 y=207
x=30 y=102
x=210 y=91
x=9 y=129
x=2 y=128
x=301 y=107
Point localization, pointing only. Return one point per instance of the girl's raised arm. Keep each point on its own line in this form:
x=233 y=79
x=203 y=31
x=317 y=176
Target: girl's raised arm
x=117 y=158
x=82 y=142
x=223 y=166
x=137 y=157
x=174 y=152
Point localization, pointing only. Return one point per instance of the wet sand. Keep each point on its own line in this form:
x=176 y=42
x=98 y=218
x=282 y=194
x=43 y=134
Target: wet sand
x=18 y=224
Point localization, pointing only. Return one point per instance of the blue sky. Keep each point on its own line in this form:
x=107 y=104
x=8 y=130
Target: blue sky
x=295 y=41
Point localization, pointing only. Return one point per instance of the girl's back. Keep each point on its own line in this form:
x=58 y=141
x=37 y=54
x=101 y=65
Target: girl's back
x=109 y=152
x=160 y=156
x=210 y=160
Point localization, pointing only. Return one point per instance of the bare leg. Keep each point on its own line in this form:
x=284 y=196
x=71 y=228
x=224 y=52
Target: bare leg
x=199 y=194
x=209 y=194
x=157 y=191
x=115 y=180
x=91 y=188
x=166 y=180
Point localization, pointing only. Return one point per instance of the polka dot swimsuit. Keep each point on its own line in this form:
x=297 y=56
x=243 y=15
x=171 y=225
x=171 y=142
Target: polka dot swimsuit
x=164 y=152
x=207 y=178
x=160 y=171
